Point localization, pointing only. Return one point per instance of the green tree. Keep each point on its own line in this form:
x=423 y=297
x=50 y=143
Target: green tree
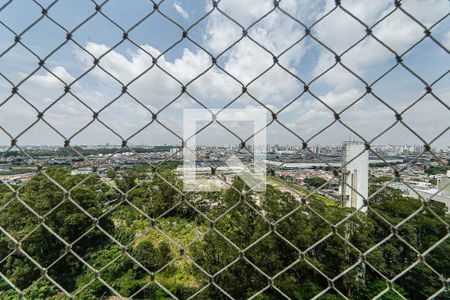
x=153 y=258
x=314 y=182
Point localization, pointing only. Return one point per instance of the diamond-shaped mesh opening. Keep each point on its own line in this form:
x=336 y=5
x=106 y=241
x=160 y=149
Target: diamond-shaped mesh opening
x=361 y=278
x=425 y=48
x=21 y=71
x=124 y=223
x=362 y=125
x=314 y=228
x=92 y=27
x=156 y=197
x=40 y=157
x=221 y=87
x=417 y=230
x=182 y=278
x=267 y=89
x=251 y=280
x=389 y=207
x=213 y=259
x=337 y=22
x=252 y=52
x=416 y=112
x=400 y=77
x=330 y=262
x=37 y=45
x=12 y=266
x=123 y=267
x=282 y=255
x=364 y=232
x=67 y=266
x=10 y=111
x=69 y=222
x=278 y=202
x=48 y=252
x=251 y=225
x=216 y=43
x=17 y=228
x=301 y=280
x=129 y=108
x=211 y=204
x=427 y=286
x=183 y=225
x=50 y=83
x=92 y=199
x=148 y=31
x=151 y=255
x=386 y=35
x=434 y=255
x=166 y=91
x=72 y=21
x=392 y=257
x=91 y=254
x=75 y=114
x=52 y=196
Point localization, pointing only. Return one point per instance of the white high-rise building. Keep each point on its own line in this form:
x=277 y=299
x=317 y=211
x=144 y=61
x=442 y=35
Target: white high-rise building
x=355 y=181
x=443 y=184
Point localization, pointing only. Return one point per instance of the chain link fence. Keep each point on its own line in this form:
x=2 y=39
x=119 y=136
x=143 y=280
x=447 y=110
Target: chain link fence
x=138 y=234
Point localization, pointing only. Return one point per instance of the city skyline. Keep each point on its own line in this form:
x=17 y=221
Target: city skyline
x=294 y=146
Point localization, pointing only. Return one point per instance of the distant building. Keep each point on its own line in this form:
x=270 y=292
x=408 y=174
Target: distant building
x=443 y=184
x=355 y=169
x=317 y=151
x=431 y=194
x=175 y=152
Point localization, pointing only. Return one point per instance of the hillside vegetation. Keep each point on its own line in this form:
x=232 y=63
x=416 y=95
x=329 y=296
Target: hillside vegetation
x=94 y=242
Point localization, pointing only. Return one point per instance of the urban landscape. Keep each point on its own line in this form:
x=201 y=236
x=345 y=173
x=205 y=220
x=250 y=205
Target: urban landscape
x=422 y=174
x=136 y=194
x=224 y=149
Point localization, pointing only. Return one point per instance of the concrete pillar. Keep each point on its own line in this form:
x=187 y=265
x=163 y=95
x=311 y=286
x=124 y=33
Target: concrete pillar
x=355 y=162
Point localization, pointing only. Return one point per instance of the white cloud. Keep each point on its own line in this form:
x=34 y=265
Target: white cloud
x=181 y=10
x=398 y=31
x=245 y=61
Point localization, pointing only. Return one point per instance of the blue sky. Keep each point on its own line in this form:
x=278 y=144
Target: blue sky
x=245 y=61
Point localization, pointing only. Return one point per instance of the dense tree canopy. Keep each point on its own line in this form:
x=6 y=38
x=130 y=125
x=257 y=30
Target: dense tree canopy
x=439 y=169
x=139 y=232
x=314 y=182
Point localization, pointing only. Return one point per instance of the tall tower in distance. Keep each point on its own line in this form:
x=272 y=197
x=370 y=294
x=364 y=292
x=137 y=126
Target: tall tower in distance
x=355 y=175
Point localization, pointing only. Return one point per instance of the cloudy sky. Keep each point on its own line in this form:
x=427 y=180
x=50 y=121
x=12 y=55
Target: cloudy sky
x=240 y=61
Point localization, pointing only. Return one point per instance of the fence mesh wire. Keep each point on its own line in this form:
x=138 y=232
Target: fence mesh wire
x=335 y=231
